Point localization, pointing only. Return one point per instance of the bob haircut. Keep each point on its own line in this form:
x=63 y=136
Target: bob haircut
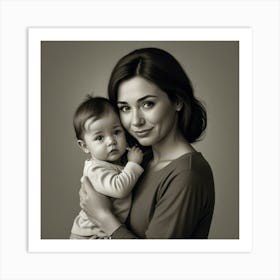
x=92 y=107
x=162 y=69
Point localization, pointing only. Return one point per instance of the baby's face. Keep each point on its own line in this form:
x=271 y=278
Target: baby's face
x=105 y=137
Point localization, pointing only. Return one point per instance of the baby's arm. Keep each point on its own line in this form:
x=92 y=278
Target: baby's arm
x=118 y=184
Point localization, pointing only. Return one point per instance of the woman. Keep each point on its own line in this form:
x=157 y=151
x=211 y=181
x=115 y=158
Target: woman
x=174 y=198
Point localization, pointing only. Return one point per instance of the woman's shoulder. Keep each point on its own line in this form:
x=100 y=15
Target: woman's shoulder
x=185 y=167
x=190 y=171
x=188 y=168
x=187 y=162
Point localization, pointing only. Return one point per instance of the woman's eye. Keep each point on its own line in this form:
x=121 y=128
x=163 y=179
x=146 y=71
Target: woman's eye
x=124 y=108
x=148 y=104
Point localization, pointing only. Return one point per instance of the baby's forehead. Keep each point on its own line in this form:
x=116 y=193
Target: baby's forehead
x=102 y=122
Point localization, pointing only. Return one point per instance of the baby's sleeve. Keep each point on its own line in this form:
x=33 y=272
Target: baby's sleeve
x=111 y=182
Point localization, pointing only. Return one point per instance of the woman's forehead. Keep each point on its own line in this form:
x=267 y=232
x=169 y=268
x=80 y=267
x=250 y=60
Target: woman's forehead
x=136 y=89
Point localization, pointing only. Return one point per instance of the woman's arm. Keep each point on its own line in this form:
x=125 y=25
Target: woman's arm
x=166 y=222
x=183 y=210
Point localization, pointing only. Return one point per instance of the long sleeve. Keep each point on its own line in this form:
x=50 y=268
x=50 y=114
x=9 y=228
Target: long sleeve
x=112 y=181
x=182 y=211
x=123 y=233
x=178 y=209
x=175 y=203
x=175 y=213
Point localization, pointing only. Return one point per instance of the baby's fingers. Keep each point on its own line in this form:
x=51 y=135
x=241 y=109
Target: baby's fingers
x=131 y=149
x=138 y=150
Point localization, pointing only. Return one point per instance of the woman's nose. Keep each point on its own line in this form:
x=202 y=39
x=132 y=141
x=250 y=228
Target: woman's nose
x=137 y=118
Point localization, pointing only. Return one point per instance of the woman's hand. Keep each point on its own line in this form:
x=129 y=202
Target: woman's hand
x=98 y=207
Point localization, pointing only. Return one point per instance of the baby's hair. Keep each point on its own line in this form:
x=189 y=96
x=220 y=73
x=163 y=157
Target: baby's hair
x=92 y=107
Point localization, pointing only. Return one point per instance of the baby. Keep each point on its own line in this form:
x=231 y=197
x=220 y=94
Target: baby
x=100 y=134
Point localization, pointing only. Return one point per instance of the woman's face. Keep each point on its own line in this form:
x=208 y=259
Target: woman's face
x=146 y=112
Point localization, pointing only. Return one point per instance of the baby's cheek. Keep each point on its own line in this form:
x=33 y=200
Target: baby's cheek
x=124 y=142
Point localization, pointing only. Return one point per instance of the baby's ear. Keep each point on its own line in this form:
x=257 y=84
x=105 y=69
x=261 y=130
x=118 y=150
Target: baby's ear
x=83 y=146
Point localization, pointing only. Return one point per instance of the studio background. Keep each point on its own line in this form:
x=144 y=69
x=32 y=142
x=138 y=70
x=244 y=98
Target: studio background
x=71 y=70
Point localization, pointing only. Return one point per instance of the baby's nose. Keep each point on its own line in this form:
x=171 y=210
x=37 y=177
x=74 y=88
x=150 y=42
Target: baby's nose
x=111 y=141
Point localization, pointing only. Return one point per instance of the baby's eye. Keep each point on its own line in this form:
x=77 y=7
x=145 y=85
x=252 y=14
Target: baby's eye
x=124 y=108
x=117 y=131
x=98 y=138
x=148 y=104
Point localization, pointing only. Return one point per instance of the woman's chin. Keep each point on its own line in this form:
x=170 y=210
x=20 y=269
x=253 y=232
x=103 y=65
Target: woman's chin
x=145 y=141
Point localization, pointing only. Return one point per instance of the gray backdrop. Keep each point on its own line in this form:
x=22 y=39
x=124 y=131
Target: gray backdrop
x=71 y=70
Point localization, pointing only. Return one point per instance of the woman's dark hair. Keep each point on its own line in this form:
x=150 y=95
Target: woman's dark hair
x=162 y=69
x=92 y=107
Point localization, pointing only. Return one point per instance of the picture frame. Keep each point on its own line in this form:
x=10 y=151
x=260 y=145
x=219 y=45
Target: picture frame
x=261 y=261
x=38 y=38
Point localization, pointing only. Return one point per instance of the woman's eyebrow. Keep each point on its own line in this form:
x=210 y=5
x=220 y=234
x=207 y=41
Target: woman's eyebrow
x=145 y=97
x=122 y=102
x=139 y=100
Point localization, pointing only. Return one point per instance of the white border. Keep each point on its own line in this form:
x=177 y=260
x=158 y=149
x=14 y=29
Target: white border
x=243 y=35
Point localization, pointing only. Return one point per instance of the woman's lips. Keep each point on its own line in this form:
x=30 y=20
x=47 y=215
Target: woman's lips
x=143 y=132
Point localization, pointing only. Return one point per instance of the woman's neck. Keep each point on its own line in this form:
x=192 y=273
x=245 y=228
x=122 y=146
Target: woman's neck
x=171 y=148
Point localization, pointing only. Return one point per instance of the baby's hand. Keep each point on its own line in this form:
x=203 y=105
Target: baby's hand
x=135 y=154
